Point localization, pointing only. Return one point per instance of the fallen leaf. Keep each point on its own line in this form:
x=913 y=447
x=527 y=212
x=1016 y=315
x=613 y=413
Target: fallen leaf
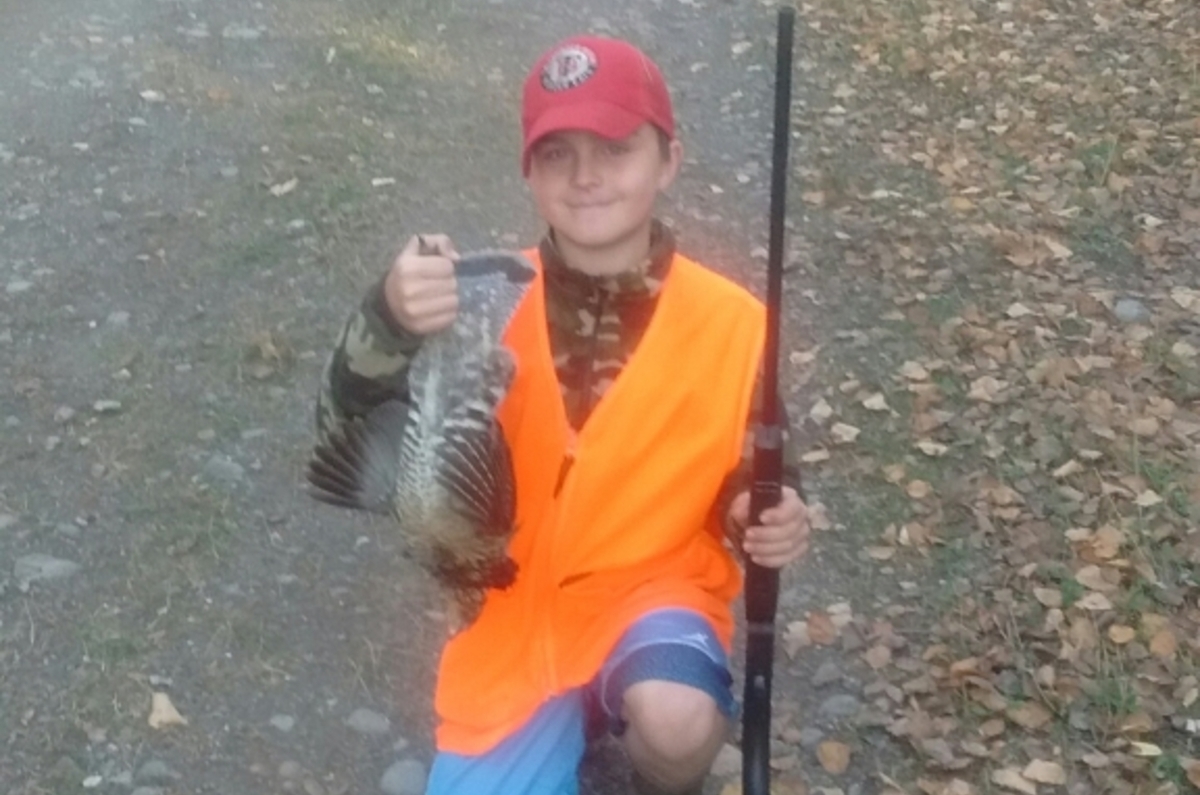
x=986 y=389
x=843 y=433
x=163 y=712
x=1193 y=773
x=992 y=728
x=1121 y=634
x=1164 y=644
x=1094 y=601
x=1048 y=597
x=834 y=757
x=795 y=638
x=914 y=371
x=894 y=473
x=1148 y=499
x=821 y=411
x=1044 y=772
x=1029 y=715
x=918 y=489
x=876 y=402
x=932 y=448
x=821 y=630
x=878 y=656
x=1011 y=778
x=284 y=188
x=1144 y=749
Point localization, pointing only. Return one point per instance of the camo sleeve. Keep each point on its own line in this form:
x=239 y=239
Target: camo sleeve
x=368 y=365
x=739 y=480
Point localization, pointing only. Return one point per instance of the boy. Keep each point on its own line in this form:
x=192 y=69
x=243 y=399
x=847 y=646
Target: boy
x=627 y=421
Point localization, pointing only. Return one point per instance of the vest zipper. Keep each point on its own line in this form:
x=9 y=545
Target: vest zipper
x=568 y=461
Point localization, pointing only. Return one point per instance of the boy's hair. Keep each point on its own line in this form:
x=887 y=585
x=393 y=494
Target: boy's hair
x=600 y=85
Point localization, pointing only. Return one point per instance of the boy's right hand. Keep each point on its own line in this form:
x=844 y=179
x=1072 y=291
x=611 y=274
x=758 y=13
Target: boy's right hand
x=420 y=289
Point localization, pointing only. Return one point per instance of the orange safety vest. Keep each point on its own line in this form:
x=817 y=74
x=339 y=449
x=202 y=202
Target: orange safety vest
x=613 y=521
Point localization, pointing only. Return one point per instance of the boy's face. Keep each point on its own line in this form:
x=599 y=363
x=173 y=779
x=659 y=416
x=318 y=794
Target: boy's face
x=597 y=192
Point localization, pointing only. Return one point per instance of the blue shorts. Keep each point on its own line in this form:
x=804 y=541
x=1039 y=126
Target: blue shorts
x=542 y=757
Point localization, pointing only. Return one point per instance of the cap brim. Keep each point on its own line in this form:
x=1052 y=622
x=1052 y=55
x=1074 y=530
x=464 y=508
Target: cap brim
x=601 y=118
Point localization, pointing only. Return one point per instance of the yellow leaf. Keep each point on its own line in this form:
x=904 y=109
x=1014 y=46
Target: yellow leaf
x=1164 y=644
x=1121 y=634
x=1144 y=749
x=914 y=372
x=821 y=411
x=163 y=712
x=1030 y=715
x=1011 y=778
x=894 y=473
x=1044 y=772
x=834 y=757
x=932 y=449
x=992 y=728
x=284 y=188
x=843 y=433
x=1148 y=499
x=1018 y=310
x=918 y=489
x=878 y=656
x=1072 y=467
x=1144 y=426
x=876 y=402
x=796 y=638
x=821 y=629
x=881 y=553
x=1193 y=773
x=1106 y=543
x=1184 y=351
x=816 y=456
x=986 y=389
x=1049 y=597
x=1094 y=601
x=816 y=198
x=1057 y=250
x=961 y=204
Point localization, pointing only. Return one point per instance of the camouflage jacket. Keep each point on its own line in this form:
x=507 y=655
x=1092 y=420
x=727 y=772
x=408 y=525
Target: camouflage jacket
x=595 y=323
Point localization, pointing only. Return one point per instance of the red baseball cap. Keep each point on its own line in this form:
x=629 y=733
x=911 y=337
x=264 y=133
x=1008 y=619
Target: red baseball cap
x=605 y=86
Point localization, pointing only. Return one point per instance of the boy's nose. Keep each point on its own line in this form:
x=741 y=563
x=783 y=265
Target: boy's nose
x=586 y=171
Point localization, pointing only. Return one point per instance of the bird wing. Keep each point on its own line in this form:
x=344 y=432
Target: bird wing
x=357 y=465
x=474 y=461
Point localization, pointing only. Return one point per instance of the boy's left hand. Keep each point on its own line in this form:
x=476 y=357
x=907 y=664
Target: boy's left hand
x=783 y=535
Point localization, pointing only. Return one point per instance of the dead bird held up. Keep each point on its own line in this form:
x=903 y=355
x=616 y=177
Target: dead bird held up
x=436 y=459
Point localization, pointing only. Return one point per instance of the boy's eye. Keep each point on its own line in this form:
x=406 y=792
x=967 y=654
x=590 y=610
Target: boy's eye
x=550 y=153
x=616 y=147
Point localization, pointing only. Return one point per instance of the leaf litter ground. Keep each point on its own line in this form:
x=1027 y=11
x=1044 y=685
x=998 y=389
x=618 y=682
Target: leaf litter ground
x=1018 y=183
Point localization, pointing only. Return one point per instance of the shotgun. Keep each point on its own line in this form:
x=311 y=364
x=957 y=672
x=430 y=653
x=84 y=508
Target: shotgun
x=762 y=584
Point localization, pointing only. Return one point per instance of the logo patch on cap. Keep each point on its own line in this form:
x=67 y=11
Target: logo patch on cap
x=569 y=67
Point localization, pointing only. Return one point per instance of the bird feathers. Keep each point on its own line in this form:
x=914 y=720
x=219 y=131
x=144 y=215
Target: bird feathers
x=440 y=462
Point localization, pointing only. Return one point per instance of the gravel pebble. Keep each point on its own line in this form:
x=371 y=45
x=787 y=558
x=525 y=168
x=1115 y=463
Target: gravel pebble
x=406 y=777
x=828 y=673
x=35 y=567
x=1131 y=310
x=225 y=470
x=365 y=721
x=285 y=723
x=810 y=737
x=155 y=771
x=839 y=706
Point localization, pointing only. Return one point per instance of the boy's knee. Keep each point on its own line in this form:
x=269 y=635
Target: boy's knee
x=677 y=722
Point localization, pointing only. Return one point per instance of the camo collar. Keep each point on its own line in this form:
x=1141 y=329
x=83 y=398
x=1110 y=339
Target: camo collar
x=644 y=281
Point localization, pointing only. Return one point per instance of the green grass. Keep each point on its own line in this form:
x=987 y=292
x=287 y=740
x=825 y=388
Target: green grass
x=1103 y=241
